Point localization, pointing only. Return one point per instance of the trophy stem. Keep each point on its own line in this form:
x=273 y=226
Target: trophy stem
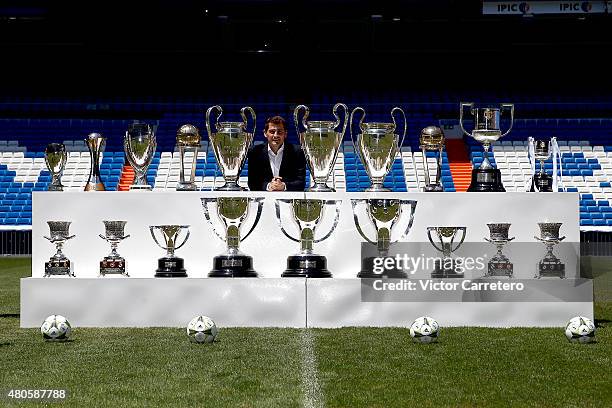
x=306 y=240
x=486 y=164
x=233 y=237
x=59 y=254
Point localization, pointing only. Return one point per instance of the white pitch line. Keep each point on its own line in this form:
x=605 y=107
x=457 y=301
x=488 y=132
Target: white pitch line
x=313 y=396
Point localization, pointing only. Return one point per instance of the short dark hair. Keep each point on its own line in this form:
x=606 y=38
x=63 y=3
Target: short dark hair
x=277 y=120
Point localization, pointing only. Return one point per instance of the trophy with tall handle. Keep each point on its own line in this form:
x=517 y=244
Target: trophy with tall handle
x=320 y=142
x=170 y=266
x=231 y=142
x=447 y=242
x=432 y=140
x=95 y=143
x=542 y=150
x=550 y=265
x=499 y=265
x=377 y=145
x=233 y=212
x=486 y=130
x=139 y=144
x=55 y=159
x=188 y=140
x=59 y=264
x=385 y=215
x=113 y=263
x=307 y=215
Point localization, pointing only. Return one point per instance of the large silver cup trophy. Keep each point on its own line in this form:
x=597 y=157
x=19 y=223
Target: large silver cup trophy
x=385 y=215
x=56 y=158
x=550 y=265
x=170 y=266
x=95 y=143
x=113 y=263
x=59 y=264
x=188 y=141
x=233 y=213
x=320 y=142
x=231 y=142
x=486 y=130
x=307 y=215
x=446 y=242
x=432 y=140
x=499 y=265
x=377 y=145
x=139 y=144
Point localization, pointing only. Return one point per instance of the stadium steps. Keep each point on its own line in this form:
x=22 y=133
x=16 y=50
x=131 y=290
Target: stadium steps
x=127 y=178
x=459 y=163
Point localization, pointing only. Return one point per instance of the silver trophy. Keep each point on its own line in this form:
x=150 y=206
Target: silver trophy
x=113 y=263
x=59 y=264
x=550 y=265
x=446 y=238
x=432 y=140
x=320 y=142
x=230 y=142
x=95 y=143
x=499 y=265
x=306 y=214
x=139 y=144
x=188 y=140
x=56 y=158
x=233 y=212
x=170 y=266
x=486 y=130
x=385 y=215
x=541 y=151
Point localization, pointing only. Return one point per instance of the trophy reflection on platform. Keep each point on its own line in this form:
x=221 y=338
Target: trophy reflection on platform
x=188 y=141
x=59 y=264
x=486 y=130
x=385 y=216
x=230 y=142
x=95 y=143
x=139 y=144
x=550 y=265
x=307 y=214
x=377 y=145
x=320 y=142
x=499 y=265
x=56 y=158
x=113 y=263
x=170 y=266
x=446 y=238
x=233 y=212
x=432 y=140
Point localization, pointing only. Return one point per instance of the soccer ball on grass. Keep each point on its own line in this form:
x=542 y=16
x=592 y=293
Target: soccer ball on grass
x=580 y=329
x=424 y=330
x=202 y=329
x=55 y=328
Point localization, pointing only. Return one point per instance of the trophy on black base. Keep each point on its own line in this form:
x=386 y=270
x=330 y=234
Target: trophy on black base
x=113 y=263
x=188 y=140
x=384 y=215
x=95 y=143
x=445 y=267
x=542 y=150
x=59 y=264
x=432 y=140
x=139 y=144
x=486 y=130
x=56 y=158
x=550 y=265
x=232 y=211
x=499 y=265
x=170 y=266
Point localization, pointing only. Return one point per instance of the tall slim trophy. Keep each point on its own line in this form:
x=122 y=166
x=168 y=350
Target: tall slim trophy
x=550 y=265
x=56 y=158
x=139 y=144
x=384 y=215
x=231 y=142
x=59 y=264
x=432 y=140
x=233 y=212
x=499 y=265
x=377 y=145
x=307 y=214
x=320 y=142
x=113 y=263
x=486 y=130
x=542 y=150
x=446 y=242
x=188 y=140
x=170 y=266
x=95 y=143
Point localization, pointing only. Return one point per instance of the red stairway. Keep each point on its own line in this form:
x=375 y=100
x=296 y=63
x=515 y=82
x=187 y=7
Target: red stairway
x=127 y=178
x=459 y=163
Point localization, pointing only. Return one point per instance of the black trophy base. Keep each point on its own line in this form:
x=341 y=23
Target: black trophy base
x=500 y=269
x=486 y=180
x=306 y=266
x=55 y=268
x=232 y=266
x=433 y=188
x=543 y=182
x=551 y=270
x=367 y=270
x=446 y=269
x=112 y=266
x=170 y=268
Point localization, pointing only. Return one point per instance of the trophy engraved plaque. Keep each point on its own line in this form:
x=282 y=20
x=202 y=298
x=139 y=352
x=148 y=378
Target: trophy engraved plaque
x=170 y=266
x=95 y=143
x=59 y=264
x=550 y=265
x=113 y=263
x=446 y=238
x=188 y=140
x=139 y=144
x=499 y=265
x=432 y=140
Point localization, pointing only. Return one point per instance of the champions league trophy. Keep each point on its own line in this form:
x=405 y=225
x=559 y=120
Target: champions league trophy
x=550 y=265
x=377 y=145
x=542 y=150
x=232 y=211
x=307 y=214
x=445 y=266
x=231 y=143
x=320 y=143
x=486 y=130
x=499 y=265
x=188 y=140
x=59 y=264
x=170 y=266
x=384 y=215
x=56 y=158
x=95 y=143
x=139 y=144
x=432 y=140
x=113 y=263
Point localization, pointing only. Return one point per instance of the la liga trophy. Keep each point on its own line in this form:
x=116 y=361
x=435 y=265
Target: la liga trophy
x=499 y=265
x=55 y=159
x=95 y=143
x=59 y=264
x=188 y=140
x=170 y=266
x=550 y=265
x=432 y=140
x=446 y=241
x=139 y=144
x=320 y=141
x=113 y=263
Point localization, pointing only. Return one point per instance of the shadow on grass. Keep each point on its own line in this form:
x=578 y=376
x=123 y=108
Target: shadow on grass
x=602 y=322
x=9 y=315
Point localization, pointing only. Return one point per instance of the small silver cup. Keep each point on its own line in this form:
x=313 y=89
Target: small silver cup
x=56 y=158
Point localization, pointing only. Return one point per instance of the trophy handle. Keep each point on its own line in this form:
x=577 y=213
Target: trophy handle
x=397 y=108
x=356 y=221
x=100 y=235
x=351 y=128
x=127 y=147
x=244 y=118
x=259 y=201
x=278 y=218
x=560 y=239
x=337 y=204
x=155 y=238
x=462 y=107
x=296 y=121
x=463 y=230
x=412 y=204
x=205 y=202
x=429 y=229
x=511 y=239
x=346 y=114
x=208 y=111
x=511 y=107
x=184 y=241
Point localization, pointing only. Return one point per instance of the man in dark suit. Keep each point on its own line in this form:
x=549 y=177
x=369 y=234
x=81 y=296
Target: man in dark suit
x=276 y=165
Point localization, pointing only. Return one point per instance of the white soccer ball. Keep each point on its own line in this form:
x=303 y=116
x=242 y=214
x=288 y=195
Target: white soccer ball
x=202 y=329
x=55 y=328
x=424 y=330
x=580 y=329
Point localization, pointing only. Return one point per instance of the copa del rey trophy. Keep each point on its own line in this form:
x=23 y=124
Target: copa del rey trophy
x=486 y=130
x=432 y=140
x=56 y=158
x=59 y=264
x=188 y=141
x=170 y=266
x=113 y=263
x=139 y=144
x=95 y=143
x=320 y=142
x=542 y=150
x=445 y=240
x=550 y=265
x=499 y=265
